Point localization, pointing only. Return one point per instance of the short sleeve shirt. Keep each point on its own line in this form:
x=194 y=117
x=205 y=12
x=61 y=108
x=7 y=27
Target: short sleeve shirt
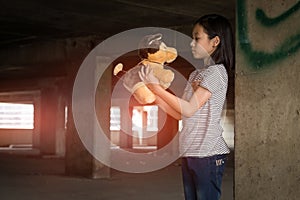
x=201 y=135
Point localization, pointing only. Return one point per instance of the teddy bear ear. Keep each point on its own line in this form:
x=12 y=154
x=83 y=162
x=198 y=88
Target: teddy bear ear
x=150 y=41
x=118 y=68
x=154 y=37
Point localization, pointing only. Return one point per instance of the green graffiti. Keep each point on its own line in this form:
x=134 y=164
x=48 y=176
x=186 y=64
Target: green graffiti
x=263 y=19
x=261 y=59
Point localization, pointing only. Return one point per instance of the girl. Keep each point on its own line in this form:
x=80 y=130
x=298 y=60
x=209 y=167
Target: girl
x=202 y=146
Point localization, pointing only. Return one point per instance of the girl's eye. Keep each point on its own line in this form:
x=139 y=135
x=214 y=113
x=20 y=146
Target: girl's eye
x=197 y=38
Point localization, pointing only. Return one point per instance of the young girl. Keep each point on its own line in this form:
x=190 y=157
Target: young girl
x=202 y=146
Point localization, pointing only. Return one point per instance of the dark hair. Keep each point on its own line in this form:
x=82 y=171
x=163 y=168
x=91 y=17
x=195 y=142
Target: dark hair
x=217 y=25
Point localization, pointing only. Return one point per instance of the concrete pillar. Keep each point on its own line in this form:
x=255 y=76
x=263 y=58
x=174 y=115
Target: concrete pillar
x=60 y=133
x=37 y=122
x=50 y=119
x=78 y=161
x=168 y=128
x=102 y=107
x=49 y=109
x=81 y=155
x=126 y=127
x=267 y=105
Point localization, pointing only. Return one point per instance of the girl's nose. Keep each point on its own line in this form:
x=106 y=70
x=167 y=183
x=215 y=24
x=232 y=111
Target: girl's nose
x=192 y=43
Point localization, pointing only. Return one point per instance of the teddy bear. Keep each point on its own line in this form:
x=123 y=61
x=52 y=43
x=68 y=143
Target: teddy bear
x=153 y=53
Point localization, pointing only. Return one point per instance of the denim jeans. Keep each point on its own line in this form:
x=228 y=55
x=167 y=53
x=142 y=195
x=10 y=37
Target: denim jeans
x=202 y=177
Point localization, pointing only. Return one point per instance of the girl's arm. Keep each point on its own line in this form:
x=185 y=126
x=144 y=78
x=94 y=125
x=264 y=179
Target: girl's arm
x=186 y=108
x=167 y=108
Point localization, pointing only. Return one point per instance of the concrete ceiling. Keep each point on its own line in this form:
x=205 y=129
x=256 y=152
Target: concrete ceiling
x=31 y=21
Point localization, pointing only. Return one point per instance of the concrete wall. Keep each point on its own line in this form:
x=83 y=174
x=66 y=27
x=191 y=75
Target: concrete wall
x=267 y=100
x=15 y=137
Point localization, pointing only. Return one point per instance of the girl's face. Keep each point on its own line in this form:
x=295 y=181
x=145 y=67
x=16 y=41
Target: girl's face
x=201 y=45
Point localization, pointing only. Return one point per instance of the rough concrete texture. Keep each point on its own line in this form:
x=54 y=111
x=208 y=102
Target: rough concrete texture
x=267 y=106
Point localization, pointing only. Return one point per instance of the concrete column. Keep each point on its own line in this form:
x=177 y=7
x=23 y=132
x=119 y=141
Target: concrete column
x=267 y=100
x=78 y=161
x=49 y=109
x=50 y=120
x=60 y=144
x=82 y=155
x=37 y=122
x=126 y=127
x=168 y=128
x=102 y=107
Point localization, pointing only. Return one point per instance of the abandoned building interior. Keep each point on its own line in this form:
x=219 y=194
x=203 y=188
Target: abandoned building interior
x=43 y=44
x=69 y=129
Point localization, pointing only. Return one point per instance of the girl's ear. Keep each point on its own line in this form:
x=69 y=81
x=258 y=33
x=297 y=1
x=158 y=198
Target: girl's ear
x=216 y=41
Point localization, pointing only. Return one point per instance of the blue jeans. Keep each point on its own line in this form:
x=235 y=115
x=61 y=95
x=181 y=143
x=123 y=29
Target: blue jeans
x=202 y=177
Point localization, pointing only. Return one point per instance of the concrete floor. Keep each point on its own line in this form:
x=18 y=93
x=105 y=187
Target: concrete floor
x=31 y=177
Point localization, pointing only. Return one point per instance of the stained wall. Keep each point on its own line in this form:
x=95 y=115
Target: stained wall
x=267 y=100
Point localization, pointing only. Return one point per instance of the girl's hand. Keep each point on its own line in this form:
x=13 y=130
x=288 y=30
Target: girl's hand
x=195 y=85
x=146 y=75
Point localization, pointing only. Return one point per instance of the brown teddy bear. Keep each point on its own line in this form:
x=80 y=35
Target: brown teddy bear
x=154 y=53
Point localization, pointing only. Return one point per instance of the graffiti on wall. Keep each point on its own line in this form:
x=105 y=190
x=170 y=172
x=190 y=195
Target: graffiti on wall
x=260 y=59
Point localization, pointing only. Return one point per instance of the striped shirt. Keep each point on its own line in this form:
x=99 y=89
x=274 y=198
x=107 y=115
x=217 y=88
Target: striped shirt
x=201 y=135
